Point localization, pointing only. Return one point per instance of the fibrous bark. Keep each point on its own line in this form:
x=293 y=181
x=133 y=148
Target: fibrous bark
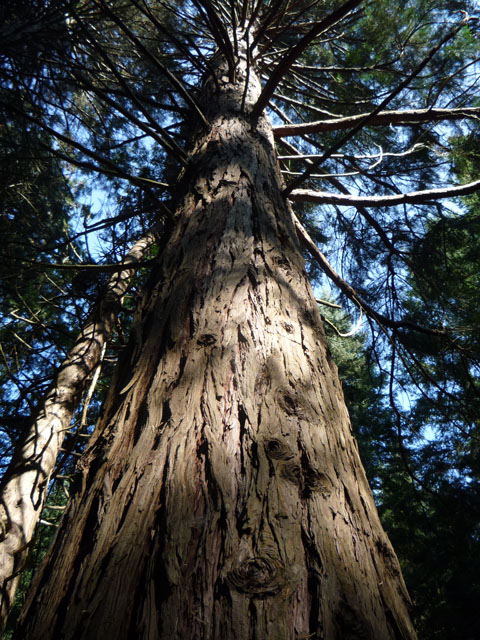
x=25 y=483
x=223 y=496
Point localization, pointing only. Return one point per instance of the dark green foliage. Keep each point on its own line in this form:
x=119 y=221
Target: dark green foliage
x=98 y=100
x=443 y=561
x=423 y=458
x=35 y=202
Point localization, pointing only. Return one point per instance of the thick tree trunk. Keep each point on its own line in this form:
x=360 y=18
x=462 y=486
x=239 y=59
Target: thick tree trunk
x=25 y=483
x=223 y=496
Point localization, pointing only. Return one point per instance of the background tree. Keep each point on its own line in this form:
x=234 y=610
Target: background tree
x=133 y=102
x=442 y=563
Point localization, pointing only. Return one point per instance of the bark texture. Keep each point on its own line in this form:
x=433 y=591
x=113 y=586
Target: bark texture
x=25 y=483
x=223 y=496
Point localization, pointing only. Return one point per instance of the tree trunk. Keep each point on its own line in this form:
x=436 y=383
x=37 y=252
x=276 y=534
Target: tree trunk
x=25 y=483
x=222 y=496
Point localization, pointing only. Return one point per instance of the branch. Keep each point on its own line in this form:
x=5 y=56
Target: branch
x=383 y=118
x=218 y=31
x=363 y=211
x=350 y=333
x=334 y=69
x=413 y=197
x=327 y=303
x=164 y=139
x=371 y=156
x=85 y=266
x=366 y=119
x=153 y=58
x=109 y=168
x=371 y=221
x=287 y=61
x=350 y=292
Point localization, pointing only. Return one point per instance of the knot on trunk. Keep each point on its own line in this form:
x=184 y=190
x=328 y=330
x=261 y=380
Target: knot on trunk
x=292 y=471
x=291 y=403
x=258 y=576
x=277 y=449
x=309 y=479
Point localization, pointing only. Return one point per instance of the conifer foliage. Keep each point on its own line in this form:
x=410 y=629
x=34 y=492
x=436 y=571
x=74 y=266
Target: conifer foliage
x=199 y=165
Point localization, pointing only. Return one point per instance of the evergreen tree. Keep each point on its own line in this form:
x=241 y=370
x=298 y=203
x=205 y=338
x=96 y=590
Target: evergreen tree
x=221 y=494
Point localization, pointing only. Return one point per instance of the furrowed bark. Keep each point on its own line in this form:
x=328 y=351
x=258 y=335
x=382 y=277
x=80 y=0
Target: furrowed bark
x=25 y=482
x=222 y=495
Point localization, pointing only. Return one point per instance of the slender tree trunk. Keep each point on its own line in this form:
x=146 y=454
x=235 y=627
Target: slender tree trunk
x=222 y=496
x=25 y=483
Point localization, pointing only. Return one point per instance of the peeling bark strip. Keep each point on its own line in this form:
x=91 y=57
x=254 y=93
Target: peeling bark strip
x=222 y=496
x=25 y=483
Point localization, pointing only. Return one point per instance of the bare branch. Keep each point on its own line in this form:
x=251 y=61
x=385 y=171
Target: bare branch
x=413 y=197
x=327 y=303
x=383 y=118
x=371 y=156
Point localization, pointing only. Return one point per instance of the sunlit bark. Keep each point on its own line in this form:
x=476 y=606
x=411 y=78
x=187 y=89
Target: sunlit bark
x=383 y=118
x=25 y=483
x=223 y=496
x=412 y=197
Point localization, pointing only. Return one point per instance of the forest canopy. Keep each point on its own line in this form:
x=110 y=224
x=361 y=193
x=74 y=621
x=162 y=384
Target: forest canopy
x=374 y=107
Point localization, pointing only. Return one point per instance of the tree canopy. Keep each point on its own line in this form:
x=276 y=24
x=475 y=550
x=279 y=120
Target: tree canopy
x=375 y=115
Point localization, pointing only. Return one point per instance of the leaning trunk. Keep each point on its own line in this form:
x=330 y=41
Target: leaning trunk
x=222 y=496
x=24 y=485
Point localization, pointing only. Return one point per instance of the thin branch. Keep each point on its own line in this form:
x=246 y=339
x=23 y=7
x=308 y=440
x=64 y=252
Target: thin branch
x=350 y=333
x=350 y=292
x=336 y=69
x=369 y=218
x=110 y=167
x=195 y=60
x=371 y=221
x=165 y=140
x=85 y=266
x=299 y=103
x=143 y=49
x=327 y=303
x=157 y=133
x=91 y=388
x=371 y=156
x=218 y=32
x=403 y=85
x=287 y=61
